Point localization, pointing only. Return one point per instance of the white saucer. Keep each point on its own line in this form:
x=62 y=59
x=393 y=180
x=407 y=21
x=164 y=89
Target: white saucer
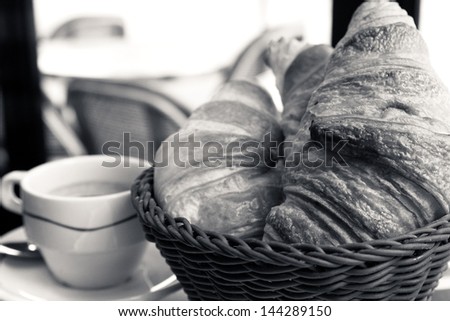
x=29 y=279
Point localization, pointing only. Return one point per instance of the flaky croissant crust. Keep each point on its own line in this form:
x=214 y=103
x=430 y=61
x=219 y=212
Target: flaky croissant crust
x=231 y=199
x=381 y=97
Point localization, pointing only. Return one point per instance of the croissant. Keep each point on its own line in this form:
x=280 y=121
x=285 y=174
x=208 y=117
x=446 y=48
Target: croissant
x=299 y=69
x=233 y=191
x=377 y=131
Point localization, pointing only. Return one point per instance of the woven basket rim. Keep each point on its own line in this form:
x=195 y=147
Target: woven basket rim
x=153 y=217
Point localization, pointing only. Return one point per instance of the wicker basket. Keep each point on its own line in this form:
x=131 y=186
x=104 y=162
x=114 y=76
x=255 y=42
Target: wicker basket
x=213 y=266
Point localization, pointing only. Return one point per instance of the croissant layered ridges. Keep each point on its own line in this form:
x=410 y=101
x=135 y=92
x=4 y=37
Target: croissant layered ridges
x=383 y=93
x=416 y=153
x=381 y=100
x=232 y=192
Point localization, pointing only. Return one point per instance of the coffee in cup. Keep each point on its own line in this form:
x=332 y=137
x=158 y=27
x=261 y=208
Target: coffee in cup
x=78 y=212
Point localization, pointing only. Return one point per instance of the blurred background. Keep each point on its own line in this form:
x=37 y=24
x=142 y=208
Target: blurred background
x=78 y=73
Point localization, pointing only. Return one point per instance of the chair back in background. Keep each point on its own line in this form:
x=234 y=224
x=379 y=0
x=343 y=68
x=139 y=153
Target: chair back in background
x=123 y=118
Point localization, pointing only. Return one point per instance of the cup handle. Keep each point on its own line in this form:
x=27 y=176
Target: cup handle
x=10 y=201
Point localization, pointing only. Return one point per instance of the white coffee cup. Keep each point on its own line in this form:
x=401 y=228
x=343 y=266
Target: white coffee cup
x=78 y=212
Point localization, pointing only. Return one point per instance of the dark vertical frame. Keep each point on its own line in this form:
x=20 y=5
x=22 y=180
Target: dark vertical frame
x=343 y=11
x=413 y=9
x=19 y=84
x=20 y=93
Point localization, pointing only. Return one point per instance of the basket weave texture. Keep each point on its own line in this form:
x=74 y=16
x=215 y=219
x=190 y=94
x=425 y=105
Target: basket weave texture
x=212 y=266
